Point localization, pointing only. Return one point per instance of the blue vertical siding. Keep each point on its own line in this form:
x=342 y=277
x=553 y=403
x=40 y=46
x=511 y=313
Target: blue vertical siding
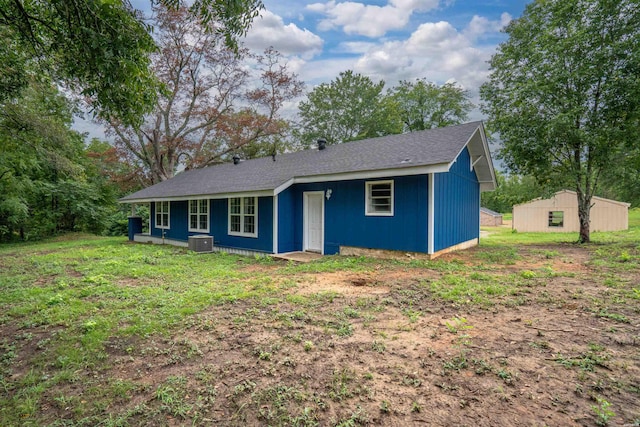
x=286 y=214
x=345 y=222
x=218 y=219
x=456 y=204
x=178 y=221
x=219 y=228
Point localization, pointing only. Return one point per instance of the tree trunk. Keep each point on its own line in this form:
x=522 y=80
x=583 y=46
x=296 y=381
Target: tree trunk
x=584 y=210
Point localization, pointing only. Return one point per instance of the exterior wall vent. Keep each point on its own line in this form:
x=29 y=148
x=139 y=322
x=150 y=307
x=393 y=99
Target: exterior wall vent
x=201 y=243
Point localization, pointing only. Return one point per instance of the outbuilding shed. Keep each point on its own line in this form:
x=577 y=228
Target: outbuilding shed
x=489 y=218
x=560 y=214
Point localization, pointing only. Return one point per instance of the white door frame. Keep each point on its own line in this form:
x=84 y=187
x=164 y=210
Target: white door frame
x=305 y=220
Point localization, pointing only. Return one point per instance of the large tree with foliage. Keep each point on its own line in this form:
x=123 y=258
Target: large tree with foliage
x=215 y=101
x=47 y=182
x=348 y=108
x=98 y=47
x=564 y=92
x=425 y=105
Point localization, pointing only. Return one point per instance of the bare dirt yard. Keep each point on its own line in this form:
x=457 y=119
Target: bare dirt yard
x=530 y=335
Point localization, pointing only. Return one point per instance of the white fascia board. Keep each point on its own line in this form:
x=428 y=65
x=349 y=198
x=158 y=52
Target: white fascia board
x=345 y=176
x=349 y=176
x=466 y=144
x=280 y=188
x=275 y=224
x=486 y=158
x=487 y=186
x=262 y=193
x=431 y=215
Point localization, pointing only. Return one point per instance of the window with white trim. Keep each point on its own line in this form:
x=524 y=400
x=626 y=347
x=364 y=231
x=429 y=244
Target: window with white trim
x=243 y=216
x=199 y=215
x=162 y=214
x=379 y=198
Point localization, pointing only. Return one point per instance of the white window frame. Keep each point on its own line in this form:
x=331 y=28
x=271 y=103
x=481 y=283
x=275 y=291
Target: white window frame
x=159 y=212
x=198 y=214
x=243 y=215
x=368 y=196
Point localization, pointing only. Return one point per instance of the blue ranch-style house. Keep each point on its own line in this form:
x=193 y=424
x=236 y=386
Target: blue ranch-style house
x=415 y=192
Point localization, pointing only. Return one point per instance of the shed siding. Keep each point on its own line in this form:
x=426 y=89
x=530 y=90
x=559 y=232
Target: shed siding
x=346 y=224
x=456 y=204
x=605 y=215
x=218 y=219
x=489 y=220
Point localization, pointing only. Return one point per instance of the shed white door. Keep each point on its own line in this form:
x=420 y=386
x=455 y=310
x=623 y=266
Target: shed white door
x=313 y=221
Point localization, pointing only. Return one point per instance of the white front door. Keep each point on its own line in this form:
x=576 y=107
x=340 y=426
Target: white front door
x=314 y=221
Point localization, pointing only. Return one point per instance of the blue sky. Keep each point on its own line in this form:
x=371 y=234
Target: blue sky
x=440 y=40
x=391 y=40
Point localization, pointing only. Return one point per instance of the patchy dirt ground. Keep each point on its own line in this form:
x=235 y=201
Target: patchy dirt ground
x=395 y=356
x=380 y=347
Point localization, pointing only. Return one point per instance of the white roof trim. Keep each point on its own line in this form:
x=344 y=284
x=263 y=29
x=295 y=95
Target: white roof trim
x=348 y=176
x=484 y=185
x=262 y=193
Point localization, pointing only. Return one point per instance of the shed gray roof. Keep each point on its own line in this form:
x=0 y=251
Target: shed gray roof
x=490 y=212
x=412 y=153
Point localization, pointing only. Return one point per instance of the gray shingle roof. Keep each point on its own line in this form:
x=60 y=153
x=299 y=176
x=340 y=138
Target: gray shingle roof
x=490 y=212
x=417 y=149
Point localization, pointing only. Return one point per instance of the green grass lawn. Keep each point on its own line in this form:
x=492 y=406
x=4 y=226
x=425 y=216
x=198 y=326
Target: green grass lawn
x=65 y=301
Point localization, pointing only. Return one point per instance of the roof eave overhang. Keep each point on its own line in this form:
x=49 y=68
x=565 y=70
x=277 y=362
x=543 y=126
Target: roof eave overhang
x=370 y=174
x=259 y=193
x=480 y=159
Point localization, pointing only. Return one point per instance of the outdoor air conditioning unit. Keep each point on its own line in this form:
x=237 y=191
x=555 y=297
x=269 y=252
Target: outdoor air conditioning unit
x=201 y=243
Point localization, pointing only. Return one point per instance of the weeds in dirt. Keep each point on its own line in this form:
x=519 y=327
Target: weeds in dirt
x=456 y=363
x=602 y=411
x=358 y=418
x=273 y=405
x=173 y=397
x=586 y=361
x=378 y=346
x=339 y=388
x=613 y=316
x=457 y=324
x=481 y=366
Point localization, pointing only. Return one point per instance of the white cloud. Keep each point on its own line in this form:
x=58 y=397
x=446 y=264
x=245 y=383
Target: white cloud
x=415 y=5
x=369 y=20
x=435 y=37
x=480 y=25
x=270 y=30
x=436 y=51
x=355 y=47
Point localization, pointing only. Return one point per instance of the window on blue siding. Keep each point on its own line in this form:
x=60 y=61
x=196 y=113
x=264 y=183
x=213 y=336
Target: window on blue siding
x=162 y=214
x=243 y=216
x=199 y=215
x=379 y=198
